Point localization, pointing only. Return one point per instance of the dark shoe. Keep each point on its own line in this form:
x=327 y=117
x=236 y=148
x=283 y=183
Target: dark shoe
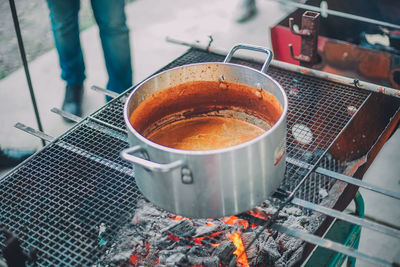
x=73 y=100
x=12 y=157
x=246 y=11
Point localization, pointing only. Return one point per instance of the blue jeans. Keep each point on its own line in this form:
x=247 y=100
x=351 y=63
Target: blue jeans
x=114 y=34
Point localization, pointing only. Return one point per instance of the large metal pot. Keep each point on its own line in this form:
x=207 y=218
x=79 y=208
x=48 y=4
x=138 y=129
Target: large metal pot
x=210 y=183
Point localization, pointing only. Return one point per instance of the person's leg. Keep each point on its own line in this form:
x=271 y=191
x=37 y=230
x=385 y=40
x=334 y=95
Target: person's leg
x=64 y=23
x=245 y=11
x=11 y=157
x=114 y=34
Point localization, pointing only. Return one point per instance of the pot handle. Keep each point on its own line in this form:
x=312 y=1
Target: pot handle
x=264 y=68
x=147 y=164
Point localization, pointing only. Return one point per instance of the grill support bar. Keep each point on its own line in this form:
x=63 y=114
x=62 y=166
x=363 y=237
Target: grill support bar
x=316 y=240
x=108 y=125
x=345 y=178
x=105 y=91
x=34 y=132
x=77 y=150
x=67 y=115
x=346 y=217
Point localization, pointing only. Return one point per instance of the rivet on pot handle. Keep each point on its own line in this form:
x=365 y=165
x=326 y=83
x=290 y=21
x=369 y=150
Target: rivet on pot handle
x=147 y=164
x=252 y=48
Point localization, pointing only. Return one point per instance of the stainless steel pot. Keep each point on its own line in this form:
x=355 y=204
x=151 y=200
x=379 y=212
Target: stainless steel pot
x=211 y=183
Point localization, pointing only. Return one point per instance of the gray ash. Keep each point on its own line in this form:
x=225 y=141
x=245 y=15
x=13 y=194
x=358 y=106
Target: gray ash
x=157 y=238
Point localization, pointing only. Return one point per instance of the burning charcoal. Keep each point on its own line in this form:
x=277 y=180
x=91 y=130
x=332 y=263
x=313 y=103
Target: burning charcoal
x=206 y=230
x=211 y=262
x=225 y=251
x=183 y=250
x=294 y=257
x=313 y=222
x=270 y=251
x=295 y=222
x=195 y=260
x=176 y=259
x=292 y=211
x=165 y=254
x=268 y=208
x=204 y=261
x=162 y=243
x=198 y=251
x=233 y=262
x=178 y=250
x=119 y=258
x=147 y=213
x=151 y=259
x=182 y=228
x=290 y=258
x=251 y=251
x=255 y=255
x=288 y=244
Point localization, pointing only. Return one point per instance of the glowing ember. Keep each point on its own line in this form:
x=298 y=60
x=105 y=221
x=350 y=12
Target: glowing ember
x=258 y=213
x=235 y=220
x=133 y=260
x=242 y=258
x=176 y=218
x=172 y=237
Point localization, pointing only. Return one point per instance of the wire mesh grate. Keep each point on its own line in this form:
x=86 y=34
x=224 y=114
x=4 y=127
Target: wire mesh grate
x=57 y=201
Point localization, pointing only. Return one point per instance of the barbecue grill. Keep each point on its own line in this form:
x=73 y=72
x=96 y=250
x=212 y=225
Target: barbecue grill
x=70 y=203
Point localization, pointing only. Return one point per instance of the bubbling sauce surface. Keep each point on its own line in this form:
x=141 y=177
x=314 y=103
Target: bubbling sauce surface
x=205 y=133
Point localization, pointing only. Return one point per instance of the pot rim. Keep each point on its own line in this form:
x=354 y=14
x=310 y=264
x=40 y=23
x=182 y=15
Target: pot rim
x=211 y=151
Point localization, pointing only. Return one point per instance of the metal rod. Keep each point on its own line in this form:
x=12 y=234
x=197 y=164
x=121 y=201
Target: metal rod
x=106 y=130
x=339 y=14
x=357 y=182
x=96 y=158
x=344 y=178
x=298 y=69
x=97 y=125
x=67 y=115
x=108 y=124
x=346 y=217
x=75 y=149
x=376 y=220
x=316 y=240
x=26 y=68
x=34 y=132
x=104 y=91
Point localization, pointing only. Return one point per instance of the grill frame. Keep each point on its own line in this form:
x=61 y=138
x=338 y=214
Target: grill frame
x=95 y=157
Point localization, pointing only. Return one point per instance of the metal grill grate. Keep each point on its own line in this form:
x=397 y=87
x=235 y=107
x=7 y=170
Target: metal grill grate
x=56 y=201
